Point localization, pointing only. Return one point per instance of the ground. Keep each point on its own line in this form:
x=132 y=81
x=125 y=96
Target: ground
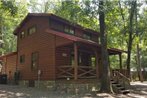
x=139 y=90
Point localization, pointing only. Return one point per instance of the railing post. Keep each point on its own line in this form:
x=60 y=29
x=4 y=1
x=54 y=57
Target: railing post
x=75 y=61
x=120 y=60
x=97 y=67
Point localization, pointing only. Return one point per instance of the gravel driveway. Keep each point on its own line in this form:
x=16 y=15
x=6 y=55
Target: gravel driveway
x=10 y=91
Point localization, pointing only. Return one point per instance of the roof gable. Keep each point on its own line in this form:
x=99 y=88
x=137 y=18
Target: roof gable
x=52 y=16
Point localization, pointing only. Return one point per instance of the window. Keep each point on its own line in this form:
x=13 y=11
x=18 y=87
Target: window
x=31 y=30
x=93 y=61
x=87 y=36
x=56 y=25
x=34 y=60
x=22 y=59
x=72 y=58
x=69 y=30
x=22 y=35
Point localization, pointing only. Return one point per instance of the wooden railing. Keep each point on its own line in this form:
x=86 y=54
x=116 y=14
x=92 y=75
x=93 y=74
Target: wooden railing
x=122 y=79
x=84 y=72
x=65 y=71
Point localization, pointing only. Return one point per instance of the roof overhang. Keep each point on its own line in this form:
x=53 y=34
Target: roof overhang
x=114 y=51
x=111 y=51
x=7 y=55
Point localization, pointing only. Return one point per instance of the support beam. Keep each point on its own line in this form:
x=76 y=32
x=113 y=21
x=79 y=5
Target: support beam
x=120 y=60
x=75 y=61
x=96 y=63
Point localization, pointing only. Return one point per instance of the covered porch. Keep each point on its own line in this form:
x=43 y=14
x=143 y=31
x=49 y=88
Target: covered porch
x=79 y=60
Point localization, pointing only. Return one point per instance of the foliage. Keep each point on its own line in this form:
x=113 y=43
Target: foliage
x=12 y=13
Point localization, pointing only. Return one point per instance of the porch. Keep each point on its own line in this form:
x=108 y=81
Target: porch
x=81 y=61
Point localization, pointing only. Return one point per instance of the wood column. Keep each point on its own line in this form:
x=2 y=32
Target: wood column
x=75 y=61
x=120 y=60
x=97 y=64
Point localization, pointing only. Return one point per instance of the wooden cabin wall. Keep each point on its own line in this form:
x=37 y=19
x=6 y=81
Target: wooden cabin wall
x=41 y=42
x=11 y=66
x=63 y=57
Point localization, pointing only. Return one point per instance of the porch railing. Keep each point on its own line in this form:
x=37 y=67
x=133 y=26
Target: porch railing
x=84 y=72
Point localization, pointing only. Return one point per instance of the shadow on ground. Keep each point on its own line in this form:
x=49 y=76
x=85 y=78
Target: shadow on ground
x=138 y=90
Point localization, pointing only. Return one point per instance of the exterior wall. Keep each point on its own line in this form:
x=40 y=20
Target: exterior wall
x=41 y=42
x=63 y=56
x=11 y=66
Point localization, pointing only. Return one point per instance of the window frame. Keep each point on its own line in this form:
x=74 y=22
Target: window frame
x=86 y=35
x=30 y=28
x=22 y=59
x=56 y=25
x=34 y=60
x=68 y=29
x=22 y=35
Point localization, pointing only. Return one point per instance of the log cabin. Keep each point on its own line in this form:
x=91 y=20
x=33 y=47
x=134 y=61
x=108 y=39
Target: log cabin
x=52 y=49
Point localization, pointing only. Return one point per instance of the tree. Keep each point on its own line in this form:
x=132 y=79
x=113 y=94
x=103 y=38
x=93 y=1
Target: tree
x=105 y=81
x=131 y=36
x=12 y=13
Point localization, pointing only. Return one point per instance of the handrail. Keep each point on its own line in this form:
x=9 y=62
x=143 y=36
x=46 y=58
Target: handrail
x=120 y=74
x=122 y=79
x=70 y=66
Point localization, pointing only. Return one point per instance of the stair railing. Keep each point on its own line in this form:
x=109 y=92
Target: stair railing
x=122 y=79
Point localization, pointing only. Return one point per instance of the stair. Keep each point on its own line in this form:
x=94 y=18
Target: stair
x=118 y=88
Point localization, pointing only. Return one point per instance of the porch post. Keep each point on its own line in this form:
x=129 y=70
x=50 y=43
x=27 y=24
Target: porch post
x=120 y=60
x=75 y=61
x=96 y=63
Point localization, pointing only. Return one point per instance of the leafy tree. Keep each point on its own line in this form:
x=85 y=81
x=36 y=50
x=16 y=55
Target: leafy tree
x=12 y=13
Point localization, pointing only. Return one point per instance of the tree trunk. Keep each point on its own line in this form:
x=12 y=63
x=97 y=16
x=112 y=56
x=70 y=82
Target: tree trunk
x=105 y=80
x=133 y=5
x=138 y=48
x=139 y=64
x=1 y=39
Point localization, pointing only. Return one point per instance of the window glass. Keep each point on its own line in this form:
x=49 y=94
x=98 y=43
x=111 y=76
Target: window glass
x=69 y=30
x=31 y=30
x=22 y=59
x=87 y=36
x=56 y=25
x=22 y=35
x=34 y=60
x=93 y=61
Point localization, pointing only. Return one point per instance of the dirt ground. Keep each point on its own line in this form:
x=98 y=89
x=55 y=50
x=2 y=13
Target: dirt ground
x=139 y=90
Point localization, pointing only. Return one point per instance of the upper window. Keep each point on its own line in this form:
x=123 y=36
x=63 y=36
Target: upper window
x=34 y=60
x=87 y=36
x=31 y=30
x=22 y=59
x=69 y=30
x=22 y=34
x=56 y=25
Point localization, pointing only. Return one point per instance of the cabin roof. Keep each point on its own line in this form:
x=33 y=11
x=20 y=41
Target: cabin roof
x=53 y=16
x=7 y=55
x=112 y=51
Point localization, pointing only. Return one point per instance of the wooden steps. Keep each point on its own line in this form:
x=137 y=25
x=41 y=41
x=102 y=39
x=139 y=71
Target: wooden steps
x=118 y=88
